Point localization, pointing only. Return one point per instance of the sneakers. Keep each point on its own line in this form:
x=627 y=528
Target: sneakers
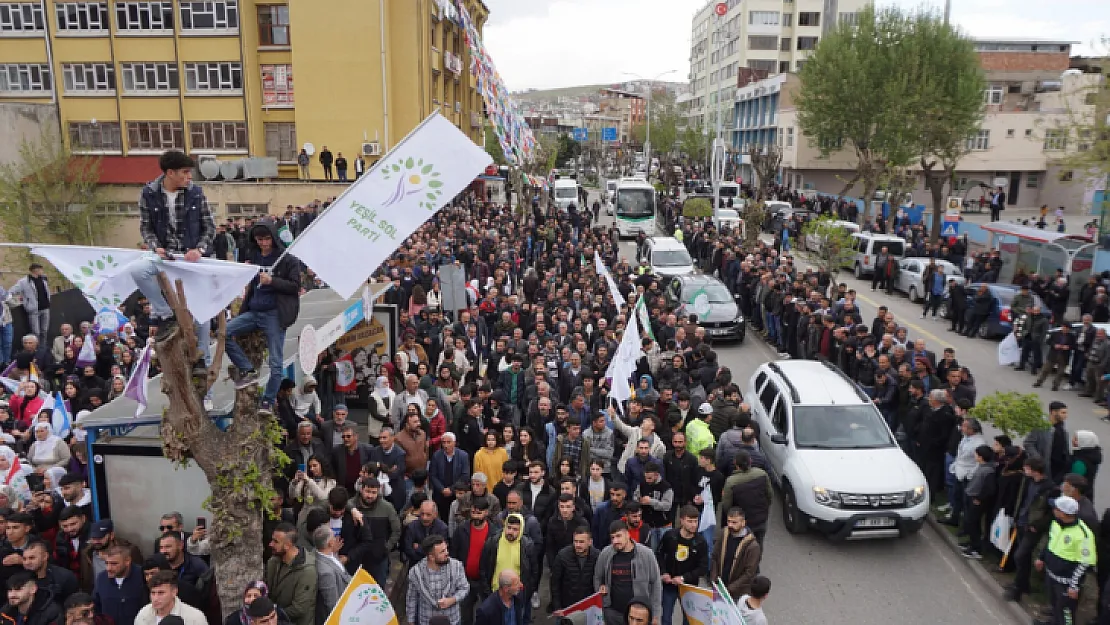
x=971 y=554
x=946 y=508
x=167 y=330
x=535 y=601
x=245 y=379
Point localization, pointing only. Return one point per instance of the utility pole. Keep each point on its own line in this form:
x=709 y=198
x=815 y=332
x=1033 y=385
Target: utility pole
x=717 y=164
x=947 y=10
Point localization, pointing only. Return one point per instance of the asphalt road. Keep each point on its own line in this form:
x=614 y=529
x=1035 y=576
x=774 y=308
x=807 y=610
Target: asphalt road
x=911 y=581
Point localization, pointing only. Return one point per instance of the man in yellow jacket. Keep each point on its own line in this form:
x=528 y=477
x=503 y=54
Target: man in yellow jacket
x=698 y=436
x=1066 y=558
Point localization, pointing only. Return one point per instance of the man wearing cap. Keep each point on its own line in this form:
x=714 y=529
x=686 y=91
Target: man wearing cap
x=165 y=602
x=271 y=305
x=698 y=434
x=1065 y=559
x=262 y=611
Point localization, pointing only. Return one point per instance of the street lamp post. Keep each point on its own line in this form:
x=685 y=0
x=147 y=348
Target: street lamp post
x=647 y=138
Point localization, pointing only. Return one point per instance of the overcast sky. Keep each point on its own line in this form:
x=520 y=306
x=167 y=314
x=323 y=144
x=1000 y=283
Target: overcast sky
x=561 y=43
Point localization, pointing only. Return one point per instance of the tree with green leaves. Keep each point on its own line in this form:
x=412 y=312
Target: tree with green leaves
x=567 y=149
x=1015 y=414
x=855 y=95
x=695 y=143
x=493 y=146
x=49 y=195
x=833 y=248
x=944 y=67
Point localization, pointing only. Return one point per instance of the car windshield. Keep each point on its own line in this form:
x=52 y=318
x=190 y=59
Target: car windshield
x=840 y=427
x=952 y=270
x=729 y=191
x=566 y=192
x=612 y=185
x=635 y=203
x=670 y=258
x=728 y=214
x=717 y=293
x=896 y=248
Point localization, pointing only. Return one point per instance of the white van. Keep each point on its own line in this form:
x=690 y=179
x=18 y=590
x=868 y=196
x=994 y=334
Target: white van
x=565 y=192
x=610 y=190
x=868 y=245
x=667 y=256
x=730 y=190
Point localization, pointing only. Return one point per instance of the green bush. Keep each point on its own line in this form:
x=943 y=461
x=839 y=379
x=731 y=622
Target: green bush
x=1013 y=413
x=697 y=207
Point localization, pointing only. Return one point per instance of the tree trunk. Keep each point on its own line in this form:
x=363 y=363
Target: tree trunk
x=936 y=190
x=239 y=462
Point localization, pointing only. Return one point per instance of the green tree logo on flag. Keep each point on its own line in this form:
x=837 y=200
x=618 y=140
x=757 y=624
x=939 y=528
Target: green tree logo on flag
x=413 y=177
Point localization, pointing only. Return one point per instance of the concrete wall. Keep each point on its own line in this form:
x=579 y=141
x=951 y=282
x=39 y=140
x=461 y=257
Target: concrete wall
x=21 y=122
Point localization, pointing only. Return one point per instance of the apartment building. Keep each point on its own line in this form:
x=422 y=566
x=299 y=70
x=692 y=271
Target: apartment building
x=629 y=107
x=1031 y=92
x=773 y=36
x=756 y=116
x=215 y=78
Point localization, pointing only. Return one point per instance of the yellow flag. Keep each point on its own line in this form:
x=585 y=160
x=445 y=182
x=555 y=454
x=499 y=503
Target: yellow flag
x=697 y=604
x=364 y=602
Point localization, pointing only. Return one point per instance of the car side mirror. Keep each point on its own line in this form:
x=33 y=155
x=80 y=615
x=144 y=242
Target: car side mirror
x=778 y=439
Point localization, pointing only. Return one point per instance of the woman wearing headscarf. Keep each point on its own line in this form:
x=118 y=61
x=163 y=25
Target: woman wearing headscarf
x=400 y=370
x=646 y=392
x=306 y=403
x=1087 y=458
x=48 y=450
x=25 y=406
x=79 y=455
x=9 y=499
x=254 y=590
x=118 y=386
x=14 y=474
x=381 y=402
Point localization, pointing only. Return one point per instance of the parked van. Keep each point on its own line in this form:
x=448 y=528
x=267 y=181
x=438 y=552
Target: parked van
x=867 y=246
x=565 y=191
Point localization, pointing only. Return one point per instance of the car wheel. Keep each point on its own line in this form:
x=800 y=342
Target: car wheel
x=792 y=517
x=913 y=294
x=859 y=272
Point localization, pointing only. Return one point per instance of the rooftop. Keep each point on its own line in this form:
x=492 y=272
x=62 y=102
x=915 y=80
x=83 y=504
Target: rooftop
x=818 y=385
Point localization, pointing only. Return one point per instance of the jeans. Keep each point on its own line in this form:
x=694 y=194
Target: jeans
x=6 y=332
x=656 y=537
x=342 y=174
x=1031 y=352
x=327 y=172
x=670 y=598
x=267 y=321
x=380 y=571
x=1078 y=366
x=40 y=324
x=145 y=275
x=933 y=302
x=1023 y=558
x=472 y=601
x=708 y=535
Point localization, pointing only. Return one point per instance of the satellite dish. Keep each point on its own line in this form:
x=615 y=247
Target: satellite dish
x=309 y=149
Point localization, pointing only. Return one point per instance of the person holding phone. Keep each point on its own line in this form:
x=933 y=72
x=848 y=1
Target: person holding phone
x=311 y=483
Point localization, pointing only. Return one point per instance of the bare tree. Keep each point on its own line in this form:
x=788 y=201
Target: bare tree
x=766 y=160
x=239 y=462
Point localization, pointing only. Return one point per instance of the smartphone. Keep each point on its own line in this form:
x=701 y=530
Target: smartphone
x=302 y=468
x=202 y=522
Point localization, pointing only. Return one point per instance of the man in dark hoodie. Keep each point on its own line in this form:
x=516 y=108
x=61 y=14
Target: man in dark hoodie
x=271 y=305
x=28 y=604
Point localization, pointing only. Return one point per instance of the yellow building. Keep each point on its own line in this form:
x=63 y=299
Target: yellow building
x=133 y=78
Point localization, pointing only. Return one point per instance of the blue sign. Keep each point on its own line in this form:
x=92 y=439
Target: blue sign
x=581 y=134
x=353 y=315
x=950 y=229
x=609 y=134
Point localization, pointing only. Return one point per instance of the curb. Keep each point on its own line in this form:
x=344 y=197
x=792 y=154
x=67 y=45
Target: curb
x=1016 y=611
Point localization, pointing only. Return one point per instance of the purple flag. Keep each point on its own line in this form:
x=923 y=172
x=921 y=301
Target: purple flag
x=136 y=386
x=8 y=371
x=87 y=356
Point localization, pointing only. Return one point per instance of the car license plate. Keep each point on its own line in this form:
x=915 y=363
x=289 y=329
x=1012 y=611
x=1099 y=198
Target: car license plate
x=879 y=521
x=718 y=331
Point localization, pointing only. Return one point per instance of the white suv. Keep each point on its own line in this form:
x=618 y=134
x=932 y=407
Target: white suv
x=836 y=461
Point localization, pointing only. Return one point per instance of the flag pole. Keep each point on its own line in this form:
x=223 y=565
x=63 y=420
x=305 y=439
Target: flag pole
x=374 y=168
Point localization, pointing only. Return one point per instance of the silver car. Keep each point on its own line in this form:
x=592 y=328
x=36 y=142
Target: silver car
x=912 y=273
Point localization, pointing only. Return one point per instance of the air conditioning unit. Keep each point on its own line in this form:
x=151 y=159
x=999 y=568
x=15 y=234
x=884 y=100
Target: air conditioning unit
x=208 y=166
x=371 y=148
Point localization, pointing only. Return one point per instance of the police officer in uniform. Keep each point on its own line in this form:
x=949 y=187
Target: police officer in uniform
x=1066 y=558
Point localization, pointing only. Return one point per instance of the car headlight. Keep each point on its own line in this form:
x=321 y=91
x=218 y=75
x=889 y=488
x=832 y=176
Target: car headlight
x=739 y=318
x=829 y=498
x=916 y=496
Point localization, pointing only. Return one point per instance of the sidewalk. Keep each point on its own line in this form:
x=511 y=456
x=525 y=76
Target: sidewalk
x=1074 y=220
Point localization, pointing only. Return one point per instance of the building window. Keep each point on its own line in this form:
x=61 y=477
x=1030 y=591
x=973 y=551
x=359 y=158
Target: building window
x=248 y=210
x=22 y=17
x=149 y=78
x=1032 y=180
x=144 y=16
x=993 y=94
x=218 y=135
x=155 y=136
x=767 y=66
x=1055 y=140
x=94 y=137
x=25 y=78
x=277 y=85
x=784 y=44
x=1066 y=176
x=847 y=18
x=807 y=43
x=790 y=137
x=1010 y=133
x=82 y=17
x=211 y=15
x=117 y=209
x=79 y=78
x=281 y=141
x=273 y=25
x=763 y=42
x=787 y=20
x=763 y=18
x=830 y=144
x=213 y=78
x=784 y=66
x=809 y=18
x=1028 y=133
x=979 y=141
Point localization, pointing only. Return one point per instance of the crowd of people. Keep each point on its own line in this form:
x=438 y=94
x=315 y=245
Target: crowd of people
x=494 y=463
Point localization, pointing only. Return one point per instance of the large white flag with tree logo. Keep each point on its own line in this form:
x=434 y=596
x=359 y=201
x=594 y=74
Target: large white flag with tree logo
x=104 y=275
x=366 y=224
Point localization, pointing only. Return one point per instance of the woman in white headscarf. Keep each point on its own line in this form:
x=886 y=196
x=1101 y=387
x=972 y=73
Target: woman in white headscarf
x=48 y=450
x=53 y=479
x=14 y=474
x=381 y=402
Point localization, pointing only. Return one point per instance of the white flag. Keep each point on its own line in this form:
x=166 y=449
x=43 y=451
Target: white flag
x=104 y=275
x=708 y=512
x=349 y=240
x=624 y=363
x=602 y=270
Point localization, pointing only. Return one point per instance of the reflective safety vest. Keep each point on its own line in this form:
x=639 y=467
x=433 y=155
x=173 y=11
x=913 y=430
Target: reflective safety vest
x=1070 y=553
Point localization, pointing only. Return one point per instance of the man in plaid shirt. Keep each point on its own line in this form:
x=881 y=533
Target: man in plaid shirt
x=437 y=584
x=185 y=232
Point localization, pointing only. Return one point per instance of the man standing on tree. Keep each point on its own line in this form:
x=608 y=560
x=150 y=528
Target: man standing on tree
x=185 y=230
